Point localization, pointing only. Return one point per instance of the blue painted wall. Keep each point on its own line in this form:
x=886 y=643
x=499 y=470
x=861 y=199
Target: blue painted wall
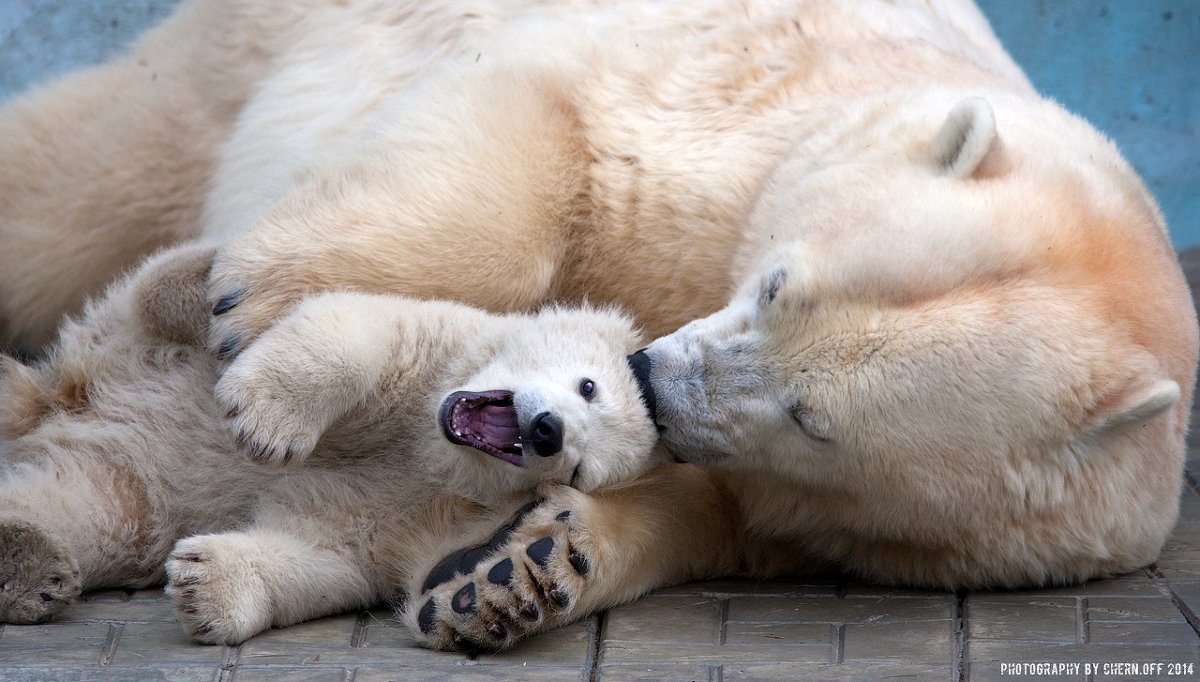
x=1132 y=67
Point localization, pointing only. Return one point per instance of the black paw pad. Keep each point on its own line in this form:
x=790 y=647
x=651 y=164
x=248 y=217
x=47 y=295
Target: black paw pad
x=464 y=600
x=540 y=551
x=501 y=573
x=425 y=617
x=46 y=596
x=226 y=303
x=579 y=562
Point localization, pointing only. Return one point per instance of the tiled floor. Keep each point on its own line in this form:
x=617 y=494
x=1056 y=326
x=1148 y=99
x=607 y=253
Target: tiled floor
x=723 y=630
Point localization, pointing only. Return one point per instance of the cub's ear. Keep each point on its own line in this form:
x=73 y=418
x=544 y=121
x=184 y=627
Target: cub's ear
x=25 y=397
x=169 y=292
x=967 y=144
x=1137 y=403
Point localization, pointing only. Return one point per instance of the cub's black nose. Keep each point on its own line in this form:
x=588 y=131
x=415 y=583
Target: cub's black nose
x=547 y=435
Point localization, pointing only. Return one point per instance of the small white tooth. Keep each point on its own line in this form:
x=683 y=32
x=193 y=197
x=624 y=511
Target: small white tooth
x=462 y=400
x=458 y=433
x=517 y=446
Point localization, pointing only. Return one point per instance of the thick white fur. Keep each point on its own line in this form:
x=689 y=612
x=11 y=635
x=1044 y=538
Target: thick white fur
x=960 y=307
x=118 y=448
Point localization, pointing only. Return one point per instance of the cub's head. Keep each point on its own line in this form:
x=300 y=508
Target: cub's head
x=557 y=402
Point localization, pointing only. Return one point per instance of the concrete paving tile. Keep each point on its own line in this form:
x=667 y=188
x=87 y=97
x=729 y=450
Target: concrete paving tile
x=1012 y=652
x=891 y=592
x=1129 y=585
x=779 y=634
x=663 y=618
x=732 y=587
x=333 y=631
x=1141 y=633
x=619 y=651
x=828 y=672
x=53 y=643
x=97 y=673
x=469 y=673
x=992 y=671
x=658 y=673
x=143 y=643
x=1180 y=569
x=915 y=641
x=1133 y=609
x=122 y=611
x=832 y=610
x=292 y=674
x=1022 y=618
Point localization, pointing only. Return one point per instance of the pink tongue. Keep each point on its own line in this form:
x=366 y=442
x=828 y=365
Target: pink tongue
x=498 y=425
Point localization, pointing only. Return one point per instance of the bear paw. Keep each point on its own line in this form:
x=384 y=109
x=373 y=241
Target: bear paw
x=38 y=577
x=218 y=600
x=250 y=288
x=529 y=577
x=268 y=416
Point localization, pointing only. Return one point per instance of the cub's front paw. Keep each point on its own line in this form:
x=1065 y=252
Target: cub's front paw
x=38 y=577
x=275 y=419
x=531 y=576
x=219 y=598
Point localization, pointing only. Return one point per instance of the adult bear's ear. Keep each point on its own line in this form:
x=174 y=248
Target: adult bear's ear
x=1134 y=403
x=967 y=144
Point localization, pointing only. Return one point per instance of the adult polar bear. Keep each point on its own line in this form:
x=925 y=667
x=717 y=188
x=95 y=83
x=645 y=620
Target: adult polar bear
x=959 y=350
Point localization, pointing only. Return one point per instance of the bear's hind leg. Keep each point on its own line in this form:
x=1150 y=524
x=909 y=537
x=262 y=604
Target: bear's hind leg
x=228 y=587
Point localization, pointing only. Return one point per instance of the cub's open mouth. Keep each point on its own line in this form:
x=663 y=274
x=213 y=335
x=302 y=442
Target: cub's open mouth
x=486 y=421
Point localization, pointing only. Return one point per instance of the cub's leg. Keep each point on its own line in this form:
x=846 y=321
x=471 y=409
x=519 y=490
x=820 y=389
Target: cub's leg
x=325 y=358
x=102 y=166
x=574 y=554
x=228 y=587
x=470 y=198
x=65 y=528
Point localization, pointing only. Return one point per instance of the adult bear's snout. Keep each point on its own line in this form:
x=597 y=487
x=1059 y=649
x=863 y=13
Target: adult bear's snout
x=546 y=434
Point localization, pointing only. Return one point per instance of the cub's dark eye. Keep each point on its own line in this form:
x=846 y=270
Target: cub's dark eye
x=587 y=389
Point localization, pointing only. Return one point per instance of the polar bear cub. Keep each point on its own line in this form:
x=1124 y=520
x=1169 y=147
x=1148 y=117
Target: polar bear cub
x=386 y=430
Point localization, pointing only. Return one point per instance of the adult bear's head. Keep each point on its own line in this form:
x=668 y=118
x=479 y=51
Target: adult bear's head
x=951 y=322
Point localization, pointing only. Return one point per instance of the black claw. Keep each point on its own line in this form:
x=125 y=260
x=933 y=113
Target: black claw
x=464 y=600
x=189 y=609
x=187 y=594
x=233 y=412
x=229 y=346
x=563 y=515
x=540 y=551
x=497 y=630
x=57 y=580
x=501 y=573
x=226 y=303
x=425 y=617
x=559 y=597
x=46 y=596
x=579 y=562
x=530 y=611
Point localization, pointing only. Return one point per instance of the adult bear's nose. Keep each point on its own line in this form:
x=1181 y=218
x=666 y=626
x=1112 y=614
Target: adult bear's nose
x=547 y=436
